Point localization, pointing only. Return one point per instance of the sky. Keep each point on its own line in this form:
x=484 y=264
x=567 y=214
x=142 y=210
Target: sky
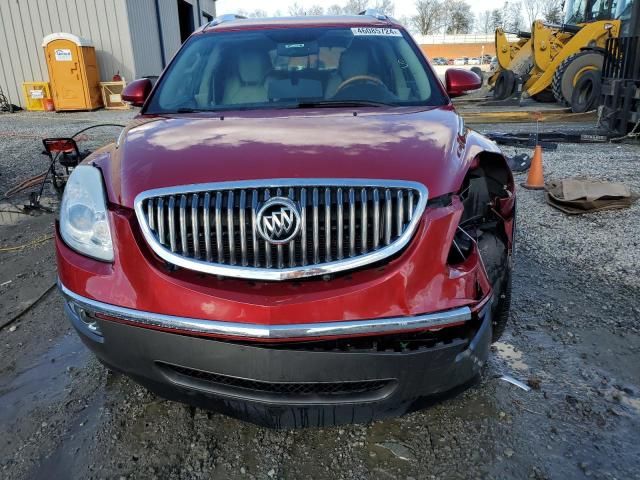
x=402 y=7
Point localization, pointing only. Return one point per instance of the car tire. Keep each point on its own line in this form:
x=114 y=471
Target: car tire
x=586 y=93
x=495 y=257
x=505 y=83
x=569 y=72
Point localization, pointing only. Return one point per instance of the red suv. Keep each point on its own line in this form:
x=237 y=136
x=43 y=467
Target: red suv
x=297 y=229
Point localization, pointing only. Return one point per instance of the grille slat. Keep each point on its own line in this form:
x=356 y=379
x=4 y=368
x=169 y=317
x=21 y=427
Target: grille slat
x=172 y=223
x=160 y=214
x=267 y=245
x=364 y=221
x=376 y=219
x=195 y=225
x=400 y=212
x=150 y=215
x=387 y=217
x=303 y=220
x=183 y=225
x=206 y=216
x=254 y=234
x=316 y=228
x=219 y=248
x=243 y=227
x=327 y=225
x=292 y=243
x=339 y=223
x=231 y=238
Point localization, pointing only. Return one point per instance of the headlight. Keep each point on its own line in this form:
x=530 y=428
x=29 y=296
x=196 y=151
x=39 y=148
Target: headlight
x=84 y=224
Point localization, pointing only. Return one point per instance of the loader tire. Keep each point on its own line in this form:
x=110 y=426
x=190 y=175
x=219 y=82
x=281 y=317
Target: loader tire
x=505 y=83
x=569 y=72
x=586 y=94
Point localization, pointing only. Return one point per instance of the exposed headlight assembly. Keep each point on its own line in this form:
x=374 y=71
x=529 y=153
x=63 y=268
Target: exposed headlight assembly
x=84 y=223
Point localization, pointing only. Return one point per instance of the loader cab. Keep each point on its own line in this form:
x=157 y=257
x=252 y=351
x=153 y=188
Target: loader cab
x=584 y=11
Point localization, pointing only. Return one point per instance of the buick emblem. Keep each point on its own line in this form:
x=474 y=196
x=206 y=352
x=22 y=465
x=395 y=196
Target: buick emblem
x=278 y=220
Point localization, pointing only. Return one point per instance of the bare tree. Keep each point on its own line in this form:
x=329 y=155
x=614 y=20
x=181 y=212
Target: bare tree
x=356 y=6
x=512 y=20
x=385 y=6
x=429 y=16
x=353 y=7
x=334 y=10
x=459 y=17
x=532 y=10
x=315 y=10
x=496 y=18
x=257 y=14
x=552 y=10
x=484 y=22
x=296 y=10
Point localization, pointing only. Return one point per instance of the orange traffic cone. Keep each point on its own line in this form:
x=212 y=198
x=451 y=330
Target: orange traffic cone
x=535 y=179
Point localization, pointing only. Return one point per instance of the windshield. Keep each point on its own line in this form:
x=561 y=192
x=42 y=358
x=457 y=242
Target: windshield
x=582 y=11
x=282 y=68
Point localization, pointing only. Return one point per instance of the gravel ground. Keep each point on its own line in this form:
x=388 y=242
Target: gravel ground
x=574 y=335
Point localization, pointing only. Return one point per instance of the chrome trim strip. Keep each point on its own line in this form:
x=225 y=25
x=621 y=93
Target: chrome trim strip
x=253 y=273
x=255 y=331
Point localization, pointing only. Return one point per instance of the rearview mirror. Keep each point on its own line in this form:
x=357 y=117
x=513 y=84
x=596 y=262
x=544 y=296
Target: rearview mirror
x=459 y=81
x=136 y=92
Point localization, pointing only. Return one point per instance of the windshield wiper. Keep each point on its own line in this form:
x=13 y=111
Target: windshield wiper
x=341 y=103
x=192 y=110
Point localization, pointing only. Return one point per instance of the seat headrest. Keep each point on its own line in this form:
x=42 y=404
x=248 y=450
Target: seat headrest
x=354 y=61
x=253 y=66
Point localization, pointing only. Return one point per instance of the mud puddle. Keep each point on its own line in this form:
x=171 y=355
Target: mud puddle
x=41 y=383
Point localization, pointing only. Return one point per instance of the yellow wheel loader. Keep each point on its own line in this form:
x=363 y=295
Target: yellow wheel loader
x=560 y=55
x=564 y=54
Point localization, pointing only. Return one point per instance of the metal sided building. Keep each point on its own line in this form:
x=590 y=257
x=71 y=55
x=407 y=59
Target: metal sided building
x=134 y=37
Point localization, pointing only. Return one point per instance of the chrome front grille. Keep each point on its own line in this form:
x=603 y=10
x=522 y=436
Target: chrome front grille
x=344 y=224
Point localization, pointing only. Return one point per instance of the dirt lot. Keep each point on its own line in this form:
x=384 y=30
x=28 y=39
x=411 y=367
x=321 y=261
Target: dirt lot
x=574 y=335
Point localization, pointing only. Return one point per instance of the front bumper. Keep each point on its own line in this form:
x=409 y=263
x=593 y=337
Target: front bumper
x=293 y=384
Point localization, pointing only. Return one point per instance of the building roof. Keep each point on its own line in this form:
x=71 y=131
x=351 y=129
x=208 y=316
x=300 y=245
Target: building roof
x=306 y=21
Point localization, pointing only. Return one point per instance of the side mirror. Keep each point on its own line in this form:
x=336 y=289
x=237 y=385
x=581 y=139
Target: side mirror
x=459 y=81
x=136 y=92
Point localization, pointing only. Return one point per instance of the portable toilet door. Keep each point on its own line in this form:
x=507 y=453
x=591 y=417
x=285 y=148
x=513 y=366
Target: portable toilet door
x=73 y=72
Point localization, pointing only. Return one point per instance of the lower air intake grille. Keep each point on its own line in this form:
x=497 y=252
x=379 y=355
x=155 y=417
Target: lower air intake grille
x=222 y=383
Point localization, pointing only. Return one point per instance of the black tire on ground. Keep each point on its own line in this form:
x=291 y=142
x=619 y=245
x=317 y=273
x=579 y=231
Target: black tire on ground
x=505 y=83
x=545 y=96
x=586 y=93
x=501 y=307
x=496 y=260
x=478 y=71
x=564 y=78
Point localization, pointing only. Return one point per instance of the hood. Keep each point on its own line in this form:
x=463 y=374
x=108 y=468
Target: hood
x=399 y=144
